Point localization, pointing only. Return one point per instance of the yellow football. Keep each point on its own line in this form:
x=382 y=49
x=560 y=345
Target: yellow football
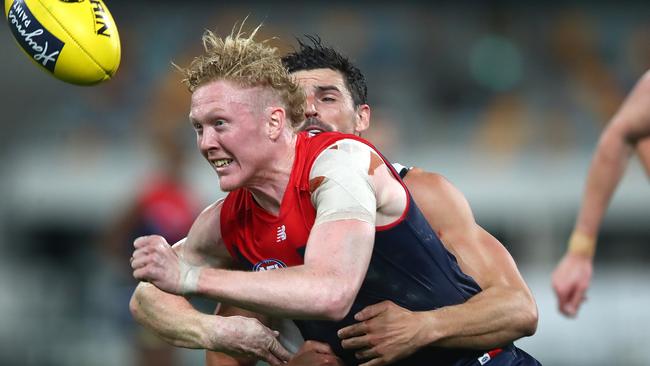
x=74 y=40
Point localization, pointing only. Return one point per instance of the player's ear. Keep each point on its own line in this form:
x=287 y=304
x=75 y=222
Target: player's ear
x=276 y=122
x=363 y=118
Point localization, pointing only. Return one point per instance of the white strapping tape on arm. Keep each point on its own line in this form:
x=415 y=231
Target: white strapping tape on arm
x=346 y=191
x=188 y=274
x=189 y=278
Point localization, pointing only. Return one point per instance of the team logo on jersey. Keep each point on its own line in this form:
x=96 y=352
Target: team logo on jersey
x=269 y=264
x=281 y=234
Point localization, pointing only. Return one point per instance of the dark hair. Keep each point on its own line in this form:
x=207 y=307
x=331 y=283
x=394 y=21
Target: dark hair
x=313 y=55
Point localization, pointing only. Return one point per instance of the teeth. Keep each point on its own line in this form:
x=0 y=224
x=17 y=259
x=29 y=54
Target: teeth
x=222 y=162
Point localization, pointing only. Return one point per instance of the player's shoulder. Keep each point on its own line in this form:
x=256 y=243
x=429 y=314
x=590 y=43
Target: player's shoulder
x=430 y=182
x=213 y=209
x=209 y=217
x=421 y=176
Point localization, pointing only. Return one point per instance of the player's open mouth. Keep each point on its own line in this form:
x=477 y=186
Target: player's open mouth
x=220 y=163
x=315 y=130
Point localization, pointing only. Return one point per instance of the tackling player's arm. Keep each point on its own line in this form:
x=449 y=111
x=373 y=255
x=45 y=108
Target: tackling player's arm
x=504 y=311
x=628 y=130
x=172 y=317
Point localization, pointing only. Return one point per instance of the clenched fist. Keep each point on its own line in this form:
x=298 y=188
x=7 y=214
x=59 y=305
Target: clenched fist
x=155 y=261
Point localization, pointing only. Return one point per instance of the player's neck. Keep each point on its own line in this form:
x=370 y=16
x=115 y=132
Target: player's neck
x=268 y=188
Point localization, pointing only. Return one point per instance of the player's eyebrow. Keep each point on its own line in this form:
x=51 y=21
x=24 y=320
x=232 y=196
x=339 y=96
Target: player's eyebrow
x=326 y=88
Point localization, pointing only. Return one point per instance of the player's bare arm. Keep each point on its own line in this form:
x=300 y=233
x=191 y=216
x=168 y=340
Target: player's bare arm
x=628 y=127
x=628 y=130
x=504 y=311
x=173 y=318
x=478 y=254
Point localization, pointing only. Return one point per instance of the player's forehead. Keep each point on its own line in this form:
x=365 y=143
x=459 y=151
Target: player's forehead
x=220 y=95
x=317 y=79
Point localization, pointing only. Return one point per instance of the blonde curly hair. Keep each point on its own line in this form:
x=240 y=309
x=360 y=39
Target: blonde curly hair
x=241 y=59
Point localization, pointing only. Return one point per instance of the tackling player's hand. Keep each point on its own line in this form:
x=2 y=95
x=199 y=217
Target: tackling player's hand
x=248 y=337
x=314 y=353
x=571 y=280
x=385 y=333
x=154 y=261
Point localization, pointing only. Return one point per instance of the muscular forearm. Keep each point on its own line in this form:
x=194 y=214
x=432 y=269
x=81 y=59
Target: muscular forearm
x=295 y=292
x=172 y=317
x=492 y=318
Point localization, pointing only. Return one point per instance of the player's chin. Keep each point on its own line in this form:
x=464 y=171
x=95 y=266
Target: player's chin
x=228 y=183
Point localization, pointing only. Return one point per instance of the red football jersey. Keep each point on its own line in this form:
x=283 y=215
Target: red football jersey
x=261 y=240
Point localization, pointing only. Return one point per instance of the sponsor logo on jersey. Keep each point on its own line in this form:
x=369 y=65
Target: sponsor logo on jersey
x=281 y=234
x=37 y=41
x=269 y=264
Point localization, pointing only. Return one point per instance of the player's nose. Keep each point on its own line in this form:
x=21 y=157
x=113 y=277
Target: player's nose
x=310 y=110
x=208 y=140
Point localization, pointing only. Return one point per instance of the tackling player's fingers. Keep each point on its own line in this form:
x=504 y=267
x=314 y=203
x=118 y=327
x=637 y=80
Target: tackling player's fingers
x=352 y=330
x=371 y=311
x=355 y=342
x=366 y=354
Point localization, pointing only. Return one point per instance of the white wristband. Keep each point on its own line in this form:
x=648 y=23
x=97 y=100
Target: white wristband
x=189 y=278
